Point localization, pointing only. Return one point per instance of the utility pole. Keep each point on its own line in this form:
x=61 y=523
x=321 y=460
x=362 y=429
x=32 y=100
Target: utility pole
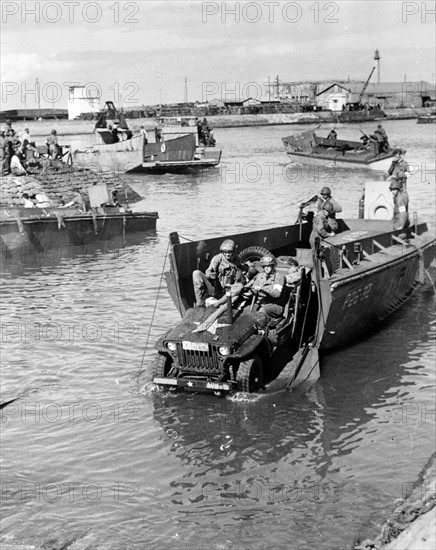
x=186 y=89
x=278 y=87
x=269 y=90
x=38 y=97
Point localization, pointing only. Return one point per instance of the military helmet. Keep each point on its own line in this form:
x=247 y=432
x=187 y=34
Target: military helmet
x=395 y=185
x=325 y=191
x=228 y=246
x=268 y=260
x=328 y=207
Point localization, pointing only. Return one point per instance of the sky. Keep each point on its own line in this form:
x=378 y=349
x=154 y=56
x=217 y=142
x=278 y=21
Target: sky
x=136 y=53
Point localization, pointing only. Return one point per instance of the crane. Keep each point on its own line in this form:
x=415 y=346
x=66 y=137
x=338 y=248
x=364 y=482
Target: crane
x=365 y=86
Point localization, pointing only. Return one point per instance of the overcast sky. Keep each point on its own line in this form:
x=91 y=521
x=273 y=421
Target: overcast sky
x=142 y=51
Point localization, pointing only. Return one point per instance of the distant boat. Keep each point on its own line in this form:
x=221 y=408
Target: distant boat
x=178 y=145
x=430 y=118
x=308 y=148
x=364 y=115
x=134 y=154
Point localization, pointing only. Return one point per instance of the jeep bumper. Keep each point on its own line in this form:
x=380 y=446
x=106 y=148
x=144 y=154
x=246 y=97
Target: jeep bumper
x=189 y=384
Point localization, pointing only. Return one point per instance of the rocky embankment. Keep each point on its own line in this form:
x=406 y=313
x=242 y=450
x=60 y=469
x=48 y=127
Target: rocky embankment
x=412 y=525
x=58 y=180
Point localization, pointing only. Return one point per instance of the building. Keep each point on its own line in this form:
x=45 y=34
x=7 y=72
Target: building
x=80 y=102
x=248 y=102
x=33 y=114
x=389 y=95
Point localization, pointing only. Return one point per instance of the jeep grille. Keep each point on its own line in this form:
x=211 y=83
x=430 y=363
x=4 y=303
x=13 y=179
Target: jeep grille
x=199 y=361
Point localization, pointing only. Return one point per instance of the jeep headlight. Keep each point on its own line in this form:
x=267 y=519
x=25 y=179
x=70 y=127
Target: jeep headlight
x=224 y=350
x=172 y=346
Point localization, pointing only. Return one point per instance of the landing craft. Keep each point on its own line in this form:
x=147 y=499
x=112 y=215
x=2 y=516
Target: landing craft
x=350 y=282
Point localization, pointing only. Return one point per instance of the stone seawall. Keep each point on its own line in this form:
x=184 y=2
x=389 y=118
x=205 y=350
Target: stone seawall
x=77 y=127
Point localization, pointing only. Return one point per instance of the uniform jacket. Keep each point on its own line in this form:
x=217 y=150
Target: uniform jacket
x=336 y=206
x=398 y=169
x=221 y=268
x=272 y=285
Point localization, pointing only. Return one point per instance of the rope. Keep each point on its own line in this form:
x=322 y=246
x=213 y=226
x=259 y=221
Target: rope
x=186 y=239
x=154 y=311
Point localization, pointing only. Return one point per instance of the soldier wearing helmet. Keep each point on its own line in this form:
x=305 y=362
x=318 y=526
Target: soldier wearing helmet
x=321 y=228
x=399 y=168
x=268 y=287
x=324 y=197
x=224 y=270
x=401 y=206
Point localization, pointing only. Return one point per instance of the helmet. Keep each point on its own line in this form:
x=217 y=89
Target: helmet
x=328 y=207
x=268 y=260
x=228 y=246
x=325 y=191
x=395 y=185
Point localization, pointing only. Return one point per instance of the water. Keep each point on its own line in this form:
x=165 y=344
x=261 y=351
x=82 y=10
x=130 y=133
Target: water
x=93 y=458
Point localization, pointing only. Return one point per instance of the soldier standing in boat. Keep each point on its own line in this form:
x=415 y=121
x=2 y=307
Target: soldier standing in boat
x=321 y=228
x=4 y=155
x=401 y=207
x=325 y=197
x=332 y=137
x=399 y=169
x=52 y=145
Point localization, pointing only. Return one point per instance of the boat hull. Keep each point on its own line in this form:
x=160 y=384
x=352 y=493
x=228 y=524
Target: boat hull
x=353 y=300
x=359 y=303
x=48 y=236
x=339 y=161
x=175 y=154
x=308 y=148
x=426 y=120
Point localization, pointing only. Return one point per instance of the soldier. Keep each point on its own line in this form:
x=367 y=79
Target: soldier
x=321 y=228
x=268 y=287
x=401 y=207
x=224 y=270
x=325 y=196
x=399 y=169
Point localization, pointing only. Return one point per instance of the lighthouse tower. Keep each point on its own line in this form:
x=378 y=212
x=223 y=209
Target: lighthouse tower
x=377 y=60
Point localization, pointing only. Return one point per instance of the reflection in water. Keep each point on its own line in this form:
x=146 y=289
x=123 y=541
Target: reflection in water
x=292 y=451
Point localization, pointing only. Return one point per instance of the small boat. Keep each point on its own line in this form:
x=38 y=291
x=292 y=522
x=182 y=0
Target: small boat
x=364 y=115
x=176 y=148
x=429 y=118
x=308 y=148
x=47 y=232
x=350 y=282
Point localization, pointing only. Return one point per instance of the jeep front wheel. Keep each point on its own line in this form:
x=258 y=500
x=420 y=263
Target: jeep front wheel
x=162 y=365
x=249 y=377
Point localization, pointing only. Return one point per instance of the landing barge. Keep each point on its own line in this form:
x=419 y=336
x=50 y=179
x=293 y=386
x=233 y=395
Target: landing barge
x=308 y=148
x=25 y=232
x=350 y=283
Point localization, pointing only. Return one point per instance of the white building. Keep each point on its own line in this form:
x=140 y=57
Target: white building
x=79 y=102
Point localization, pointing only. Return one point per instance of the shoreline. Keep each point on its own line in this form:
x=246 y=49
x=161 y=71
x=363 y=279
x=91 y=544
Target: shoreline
x=86 y=127
x=412 y=524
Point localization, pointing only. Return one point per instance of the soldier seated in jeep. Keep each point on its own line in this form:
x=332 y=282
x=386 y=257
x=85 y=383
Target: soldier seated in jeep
x=269 y=289
x=224 y=269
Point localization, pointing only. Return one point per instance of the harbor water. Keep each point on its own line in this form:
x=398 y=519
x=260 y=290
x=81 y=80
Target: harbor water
x=94 y=458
